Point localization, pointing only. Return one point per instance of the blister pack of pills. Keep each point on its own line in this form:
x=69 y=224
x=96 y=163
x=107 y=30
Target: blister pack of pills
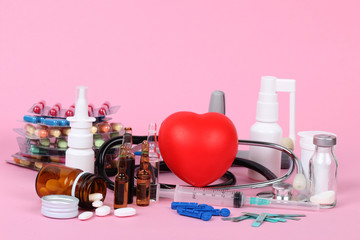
x=26 y=162
x=57 y=122
x=27 y=148
x=44 y=135
x=41 y=109
x=30 y=163
x=53 y=159
x=34 y=132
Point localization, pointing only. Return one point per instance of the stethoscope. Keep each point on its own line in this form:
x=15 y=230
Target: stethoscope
x=299 y=182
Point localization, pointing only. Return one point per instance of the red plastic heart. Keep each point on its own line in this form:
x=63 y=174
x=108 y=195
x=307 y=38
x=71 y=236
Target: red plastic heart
x=198 y=148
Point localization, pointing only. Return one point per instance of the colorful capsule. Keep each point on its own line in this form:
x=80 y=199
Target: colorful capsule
x=65 y=131
x=104 y=127
x=42 y=133
x=104 y=109
x=39 y=107
x=45 y=142
x=91 y=110
x=55 y=110
x=31 y=119
x=71 y=111
x=93 y=129
x=116 y=127
x=55 y=132
x=30 y=129
x=62 y=143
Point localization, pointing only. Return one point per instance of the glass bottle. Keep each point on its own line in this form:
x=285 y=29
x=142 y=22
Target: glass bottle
x=130 y=162
x=154 y=159
x=143 y=177
x=121 y=184
x=323 y=171
x=62 y=180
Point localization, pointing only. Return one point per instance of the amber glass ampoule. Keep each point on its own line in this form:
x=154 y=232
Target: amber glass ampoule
x=130 y=162
x=154 y=159
x=121 y=186
x=143 y=177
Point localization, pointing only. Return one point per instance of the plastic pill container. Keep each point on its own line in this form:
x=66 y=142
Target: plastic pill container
x=61 y=180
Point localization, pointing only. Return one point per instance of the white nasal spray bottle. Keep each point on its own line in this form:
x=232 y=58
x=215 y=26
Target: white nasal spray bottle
x=266 y=128
x=80 y=140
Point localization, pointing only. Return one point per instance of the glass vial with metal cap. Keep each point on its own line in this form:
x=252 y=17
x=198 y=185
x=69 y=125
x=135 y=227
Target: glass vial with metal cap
x=323 y=171
x=62 y=180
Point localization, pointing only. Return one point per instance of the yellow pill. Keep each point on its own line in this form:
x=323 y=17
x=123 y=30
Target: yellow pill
x=64 y=181
x=116 y=127
x=93 y=130
x=25 y=163
x=55 y=132
x=66 y=131
x=30 y=129
x=54 y=158
x=43 y=191
x=39 y=165
x=52 y=185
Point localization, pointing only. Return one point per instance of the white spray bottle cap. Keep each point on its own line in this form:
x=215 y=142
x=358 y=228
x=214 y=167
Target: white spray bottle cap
x=268 y=106
x=80 y=135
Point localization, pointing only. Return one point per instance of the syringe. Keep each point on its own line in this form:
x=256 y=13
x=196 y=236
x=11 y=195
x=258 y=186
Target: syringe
x=231 y=199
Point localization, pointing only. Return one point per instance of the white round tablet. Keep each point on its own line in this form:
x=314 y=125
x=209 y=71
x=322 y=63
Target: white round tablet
x=125 y=212
x=85 y=215
x=97 y=203
x=103 y=211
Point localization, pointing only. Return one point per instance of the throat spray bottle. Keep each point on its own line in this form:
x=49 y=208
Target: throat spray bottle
x=80 y=153
x=266 y=128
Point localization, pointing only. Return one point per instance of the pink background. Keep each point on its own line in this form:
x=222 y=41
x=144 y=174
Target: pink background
x=155 y=58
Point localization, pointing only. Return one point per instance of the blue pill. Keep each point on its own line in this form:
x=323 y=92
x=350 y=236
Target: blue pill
x=63 y=122
x=51 y=122
x=41 y=119
x=30 y=119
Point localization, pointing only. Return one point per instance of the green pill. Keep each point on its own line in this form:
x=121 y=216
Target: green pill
x=45 y=142
x=35 y=150
x=62 y=143
x=97 y=136
x=98 y=142
x=114 y=134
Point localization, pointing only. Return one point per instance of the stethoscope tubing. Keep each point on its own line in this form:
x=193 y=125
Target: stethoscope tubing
x=294 y=162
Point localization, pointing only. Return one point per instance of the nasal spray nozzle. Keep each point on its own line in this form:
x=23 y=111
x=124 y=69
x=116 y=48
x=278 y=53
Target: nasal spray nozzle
x=268 y=106
x=80 y=153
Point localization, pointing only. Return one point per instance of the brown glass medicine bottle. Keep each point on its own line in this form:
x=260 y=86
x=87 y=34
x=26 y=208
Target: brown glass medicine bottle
x=62 y=180
x=143 y=177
